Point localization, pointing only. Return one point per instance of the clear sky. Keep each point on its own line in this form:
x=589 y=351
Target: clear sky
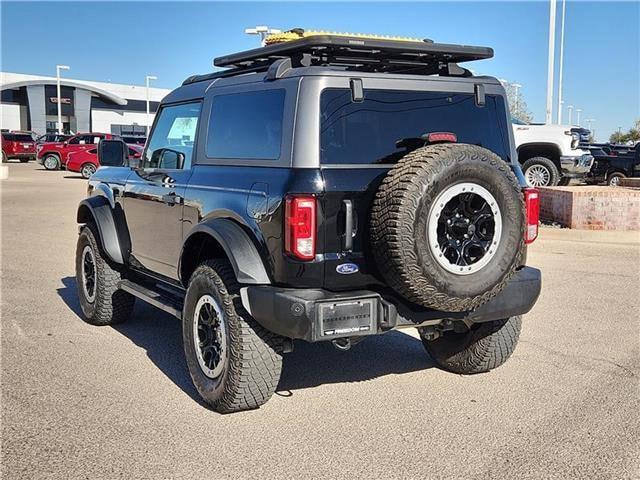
x=124 y=41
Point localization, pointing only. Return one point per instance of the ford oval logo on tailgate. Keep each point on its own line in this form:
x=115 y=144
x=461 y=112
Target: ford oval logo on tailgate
x=347 y=268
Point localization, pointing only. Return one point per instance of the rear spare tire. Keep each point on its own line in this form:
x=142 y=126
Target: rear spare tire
x=447 y=226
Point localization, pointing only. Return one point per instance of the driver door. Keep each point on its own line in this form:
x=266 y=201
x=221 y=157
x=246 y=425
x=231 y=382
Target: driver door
x=154 y=194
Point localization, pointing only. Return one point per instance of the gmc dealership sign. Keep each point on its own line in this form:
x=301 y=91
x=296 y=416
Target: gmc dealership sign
x=65 y=101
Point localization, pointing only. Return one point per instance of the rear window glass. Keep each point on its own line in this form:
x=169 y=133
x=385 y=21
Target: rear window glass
x=17 y=137
x=367 y=132
x=246 y=125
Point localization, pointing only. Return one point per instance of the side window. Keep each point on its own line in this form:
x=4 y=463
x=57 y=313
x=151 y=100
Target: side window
x=172 y=139
x=246 y=125
x=75 y=140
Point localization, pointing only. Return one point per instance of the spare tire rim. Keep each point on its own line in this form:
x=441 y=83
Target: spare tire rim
x=464 y=228
x=209 y=336
x=89 y=274
x=538 y=176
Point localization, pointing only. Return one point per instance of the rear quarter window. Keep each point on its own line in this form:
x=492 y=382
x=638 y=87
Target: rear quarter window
x=367 y=132
x=246 y=125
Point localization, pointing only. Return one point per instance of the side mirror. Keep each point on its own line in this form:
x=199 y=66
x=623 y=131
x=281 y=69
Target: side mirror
x=113 y=153
x=171 y=159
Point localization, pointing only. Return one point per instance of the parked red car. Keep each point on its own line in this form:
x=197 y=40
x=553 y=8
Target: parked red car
x=54 y=155
x=86 y=162
x=18 y=145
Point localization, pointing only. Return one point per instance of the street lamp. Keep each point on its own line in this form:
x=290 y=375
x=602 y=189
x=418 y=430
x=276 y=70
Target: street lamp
x=564 y=7
x=570 y=108
x=149 y=77
x=59 y=99
x=263 y=31
x=578 y=110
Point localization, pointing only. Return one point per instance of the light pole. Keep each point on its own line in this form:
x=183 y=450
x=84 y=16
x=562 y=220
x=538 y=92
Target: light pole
x=578 y=110
x=263 y=31
x=59 y=99
x=149 y=77
x=590 y=121
x=552 y=47
x=564 y=6
x=570 y=108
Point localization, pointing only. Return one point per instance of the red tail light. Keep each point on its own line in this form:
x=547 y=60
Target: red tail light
x=532 y=205
x=300 y=227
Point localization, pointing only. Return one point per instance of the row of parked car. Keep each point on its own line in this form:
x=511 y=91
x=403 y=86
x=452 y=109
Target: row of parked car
x=550 y=155
x=75 y=153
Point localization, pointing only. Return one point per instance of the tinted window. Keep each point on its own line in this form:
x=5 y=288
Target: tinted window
x=246 y=125
x=173 y=136
x=367 y=131
x=17 y=137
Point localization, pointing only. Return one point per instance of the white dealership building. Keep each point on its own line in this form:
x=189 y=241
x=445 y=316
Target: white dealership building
x=29 y=102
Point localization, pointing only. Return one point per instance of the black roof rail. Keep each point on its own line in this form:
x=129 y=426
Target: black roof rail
x=351 y=53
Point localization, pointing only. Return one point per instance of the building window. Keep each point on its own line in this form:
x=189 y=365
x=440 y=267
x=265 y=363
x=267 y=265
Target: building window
x=129 y=130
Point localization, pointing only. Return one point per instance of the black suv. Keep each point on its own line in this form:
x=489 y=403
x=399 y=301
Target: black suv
x=322 y=189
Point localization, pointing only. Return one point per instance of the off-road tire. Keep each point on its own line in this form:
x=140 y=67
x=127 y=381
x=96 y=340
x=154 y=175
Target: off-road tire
x=50 y=167
x=615 y=176
x=482 y=348
x=254 y=359
x=554 y=173
x=399 y=226
x=111 y=305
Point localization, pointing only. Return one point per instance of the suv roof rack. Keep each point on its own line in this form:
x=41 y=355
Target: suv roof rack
x=354 y=53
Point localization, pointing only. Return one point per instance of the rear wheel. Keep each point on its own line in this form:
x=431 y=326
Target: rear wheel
x=613 y=180
x=51 y=162
x=24 y=160
x=87 y=170
x=234 y=363
x=4 y=158
x=564 y=181
x=540 y=172
x=481 y=348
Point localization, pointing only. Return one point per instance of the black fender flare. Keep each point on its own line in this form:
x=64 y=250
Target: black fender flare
x=240 y=250
x=100 y=210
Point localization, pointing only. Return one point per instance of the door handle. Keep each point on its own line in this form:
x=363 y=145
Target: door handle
x=348 y=225
x=172 y=199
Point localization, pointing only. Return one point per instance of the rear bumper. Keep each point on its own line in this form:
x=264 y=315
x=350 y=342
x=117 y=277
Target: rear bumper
x=21 y=155
x=576 y=165
x=316 y=315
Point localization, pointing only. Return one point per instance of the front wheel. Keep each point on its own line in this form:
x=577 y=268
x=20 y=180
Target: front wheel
x=234 y=363
x=483 y=347
x=51 y=162
x=540 y=172
x=87 y=170
x=101 y=301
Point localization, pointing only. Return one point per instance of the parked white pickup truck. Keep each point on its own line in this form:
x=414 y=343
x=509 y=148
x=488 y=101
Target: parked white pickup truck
x=549 y=154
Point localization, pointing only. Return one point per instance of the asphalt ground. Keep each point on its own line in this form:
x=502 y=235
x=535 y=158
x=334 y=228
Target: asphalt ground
x=99 y=402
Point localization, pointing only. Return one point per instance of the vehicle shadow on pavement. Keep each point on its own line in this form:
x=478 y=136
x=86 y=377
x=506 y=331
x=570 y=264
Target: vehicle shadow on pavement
x=309 y=365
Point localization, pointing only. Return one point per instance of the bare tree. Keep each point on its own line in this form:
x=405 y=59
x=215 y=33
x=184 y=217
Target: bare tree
x=517 y=104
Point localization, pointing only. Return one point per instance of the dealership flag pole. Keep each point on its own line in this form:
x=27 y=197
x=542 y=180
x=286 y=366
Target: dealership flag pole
x=552 y=47
x=59 y=99
x=149 y=77
x=564 y=6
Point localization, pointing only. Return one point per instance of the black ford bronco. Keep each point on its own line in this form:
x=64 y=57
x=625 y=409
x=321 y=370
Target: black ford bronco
x=322 y=189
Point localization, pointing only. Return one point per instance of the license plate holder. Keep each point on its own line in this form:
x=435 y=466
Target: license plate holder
x=347 y=318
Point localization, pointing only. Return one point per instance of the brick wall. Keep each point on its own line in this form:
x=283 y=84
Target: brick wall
x=591 y=208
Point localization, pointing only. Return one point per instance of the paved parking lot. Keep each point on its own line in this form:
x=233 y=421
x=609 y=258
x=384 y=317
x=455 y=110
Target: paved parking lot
x=87 y=402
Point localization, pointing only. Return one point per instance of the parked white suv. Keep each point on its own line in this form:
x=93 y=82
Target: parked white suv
x=549 y=154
